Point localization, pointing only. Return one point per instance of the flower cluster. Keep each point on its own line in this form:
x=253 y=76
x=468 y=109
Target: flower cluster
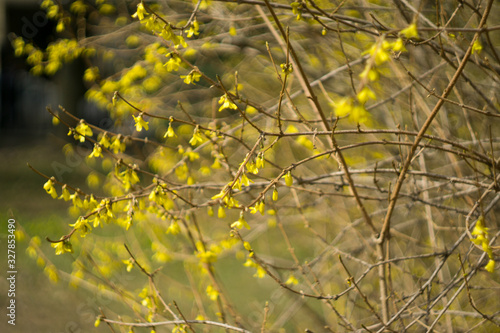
x=159 y=27
x=354 y=107
x=55 y=55
x=481 y=234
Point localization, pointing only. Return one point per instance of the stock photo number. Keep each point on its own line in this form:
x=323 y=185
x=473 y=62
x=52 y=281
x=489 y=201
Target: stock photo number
x=11 y=271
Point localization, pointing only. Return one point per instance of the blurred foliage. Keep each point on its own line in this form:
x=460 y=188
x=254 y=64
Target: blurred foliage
x=284 y=166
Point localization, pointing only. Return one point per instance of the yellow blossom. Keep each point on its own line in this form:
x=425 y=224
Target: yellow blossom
x=221 y=213
x=96 y=152
x=81 y=130
x=240 y=223
x=170 y=132
x=62 y=247
x=104 y=141
x=490 y=266
x=91 y=74
x=82 y=225
x=275 y=194
x=288 y=179
x=141 y=11
x=173 y=228
x=398 y=45
x=212 y=293
x=410 y=31
x=292 y=280
x=65 y=193
x=49 y=188
x=245 y=180
x=140 y=123
x=477 y=47
x=117 y=145
x=369 y=73
x=226 y=103
x=343 y=107
x=193 y=30
x=365 y=94
x=192 y=77
x=297 y=9
x=173 y=62
x=359 y=114
x=196 y=137
x=129 y=263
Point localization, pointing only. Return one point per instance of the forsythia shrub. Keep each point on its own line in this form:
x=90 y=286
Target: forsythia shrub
x=283 y=166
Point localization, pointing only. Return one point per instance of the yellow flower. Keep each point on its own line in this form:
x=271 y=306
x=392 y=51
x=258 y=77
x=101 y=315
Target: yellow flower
x=62 y=247
x=379 y=53
x=359 y=114
x=259 y=161
x=78 y=7
x=193 y=30
x=60 y=26
x=192 y=77
x=129 y=263
x=297 y=9
x=81 y=130
x=107 y=9
x=49 y=188
x=65 y=194
x=170 y=132
x=477 y=47
x=91 y=74
x=240 y=223
x=261 y=207
x=104 y=141
x=133 y=41
x=117 y=146
x=141 y=11
x=152 y=84
x=252 y=167
x=343 y=107
x=480 y=230
x=192 y=155
x=292 y=280
x=18 y=45
x=35 y=57
x=233 y=31
x=82 y=225
x=221 y=213
x=245 y=181
x=173 y=228
x=490 y=266
x=226 y=103
x=173 y=63
x=275 y=194
x=286 y=68
x=410 y=31
x=365 y=94
x=51 y=273
x=140 y=123
x=261 y=272
x=369 y=73
x=196 y=137
x=288 y=179
x=212 y=293
x=96 y=152
x=398 y=45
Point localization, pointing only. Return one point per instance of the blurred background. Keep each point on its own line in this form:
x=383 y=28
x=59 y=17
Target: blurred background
x=46 y=301
x=28 y=136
